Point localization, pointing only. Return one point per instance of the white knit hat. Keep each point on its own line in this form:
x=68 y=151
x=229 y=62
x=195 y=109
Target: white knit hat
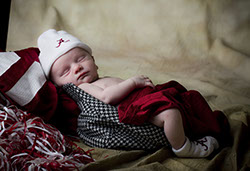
x=52 y=44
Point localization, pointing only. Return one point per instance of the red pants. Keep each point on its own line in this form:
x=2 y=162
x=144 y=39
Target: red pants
x=198 y=118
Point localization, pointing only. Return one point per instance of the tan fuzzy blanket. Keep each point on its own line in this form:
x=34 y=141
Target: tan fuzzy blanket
x=203 y=44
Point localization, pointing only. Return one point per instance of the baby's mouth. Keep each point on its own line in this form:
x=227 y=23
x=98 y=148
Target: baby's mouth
x=82 y=75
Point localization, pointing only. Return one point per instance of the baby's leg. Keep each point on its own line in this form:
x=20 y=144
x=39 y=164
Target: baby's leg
x=171 y=120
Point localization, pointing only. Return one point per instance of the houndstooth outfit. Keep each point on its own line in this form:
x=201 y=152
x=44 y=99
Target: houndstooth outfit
x=99 y=126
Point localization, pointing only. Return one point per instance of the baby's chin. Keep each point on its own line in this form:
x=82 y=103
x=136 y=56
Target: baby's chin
x=90 y=79
x=79 y=82
x=85 y=80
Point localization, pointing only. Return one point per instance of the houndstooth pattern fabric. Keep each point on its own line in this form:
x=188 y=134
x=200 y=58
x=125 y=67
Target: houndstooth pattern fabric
x=99 y=126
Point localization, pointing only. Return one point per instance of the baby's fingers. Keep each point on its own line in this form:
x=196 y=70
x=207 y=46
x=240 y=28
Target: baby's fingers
x=148 y=82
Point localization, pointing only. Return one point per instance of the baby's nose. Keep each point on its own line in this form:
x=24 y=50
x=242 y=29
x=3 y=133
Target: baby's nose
x=78 y=68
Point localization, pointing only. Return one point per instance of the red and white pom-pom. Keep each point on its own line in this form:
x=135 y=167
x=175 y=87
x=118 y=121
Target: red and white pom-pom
x=27 y=143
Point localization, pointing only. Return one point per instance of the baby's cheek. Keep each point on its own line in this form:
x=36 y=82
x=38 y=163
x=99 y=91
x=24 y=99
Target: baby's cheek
x=61 y=81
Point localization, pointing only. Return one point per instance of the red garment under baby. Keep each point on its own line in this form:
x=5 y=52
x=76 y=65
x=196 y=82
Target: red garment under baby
x=198 y=118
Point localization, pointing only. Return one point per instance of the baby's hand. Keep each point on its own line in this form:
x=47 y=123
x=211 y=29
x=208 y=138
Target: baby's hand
x=142 y=81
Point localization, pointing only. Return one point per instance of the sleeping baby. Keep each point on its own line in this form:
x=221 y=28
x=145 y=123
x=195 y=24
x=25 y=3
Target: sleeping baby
x=132 y=113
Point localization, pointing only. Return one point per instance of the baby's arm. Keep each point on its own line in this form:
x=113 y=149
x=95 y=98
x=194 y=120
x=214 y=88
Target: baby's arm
x=115 y=93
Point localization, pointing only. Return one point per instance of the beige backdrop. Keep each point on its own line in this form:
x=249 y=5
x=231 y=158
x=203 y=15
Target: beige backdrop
x=203 y=44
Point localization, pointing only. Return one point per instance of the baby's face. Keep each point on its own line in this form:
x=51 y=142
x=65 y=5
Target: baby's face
x=76 y=66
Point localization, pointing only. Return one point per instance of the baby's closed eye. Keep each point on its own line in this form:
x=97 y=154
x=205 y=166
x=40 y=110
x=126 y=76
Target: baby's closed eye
x=80 y=58
x=65 y=72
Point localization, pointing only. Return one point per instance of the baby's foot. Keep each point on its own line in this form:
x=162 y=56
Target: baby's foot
x=199 y=148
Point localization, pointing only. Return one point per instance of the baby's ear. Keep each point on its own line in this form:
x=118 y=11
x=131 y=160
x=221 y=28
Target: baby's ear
x=94 y=61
